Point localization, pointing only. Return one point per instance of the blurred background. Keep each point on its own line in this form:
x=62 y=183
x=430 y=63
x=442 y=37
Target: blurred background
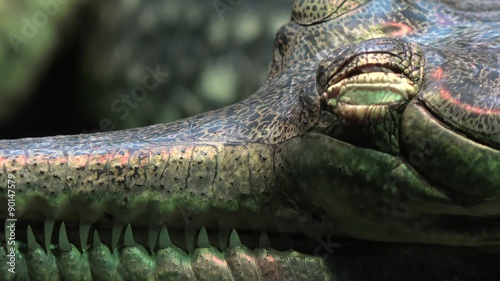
x=79 y=66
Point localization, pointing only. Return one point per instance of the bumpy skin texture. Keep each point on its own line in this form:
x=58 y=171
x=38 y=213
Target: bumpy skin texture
x=379 y=121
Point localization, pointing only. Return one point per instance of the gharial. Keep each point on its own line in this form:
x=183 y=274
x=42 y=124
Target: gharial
x=379 y=121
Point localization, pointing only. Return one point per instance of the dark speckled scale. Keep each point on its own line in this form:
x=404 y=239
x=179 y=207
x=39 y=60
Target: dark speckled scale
x=422 y=169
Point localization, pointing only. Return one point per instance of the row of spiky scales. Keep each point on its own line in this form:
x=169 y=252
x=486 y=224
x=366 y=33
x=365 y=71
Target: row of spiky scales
x=164 y=261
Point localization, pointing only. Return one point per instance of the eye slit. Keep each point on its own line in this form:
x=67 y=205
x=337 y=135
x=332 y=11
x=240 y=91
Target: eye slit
x=371 y=68
x=375 y=68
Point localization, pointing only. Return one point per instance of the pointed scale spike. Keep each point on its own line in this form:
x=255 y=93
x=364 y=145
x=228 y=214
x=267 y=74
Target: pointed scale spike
x=63 y=239
x=84 y=234
x=189 y=234
x=115 y=235
x=203 y=241
x=48 y=228
x=32 y=244
x=96 y=241
x=264 y=240
x=128 y=239
x=223 y=237
x=164 y=240
x=153 y=231
x=234 y=239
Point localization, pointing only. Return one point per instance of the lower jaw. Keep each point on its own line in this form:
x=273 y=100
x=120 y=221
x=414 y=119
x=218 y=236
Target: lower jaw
x=466 y=170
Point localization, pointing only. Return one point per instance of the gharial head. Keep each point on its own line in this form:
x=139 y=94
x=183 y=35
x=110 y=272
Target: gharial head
x=379 y=120
x=371 y=58
x=397 y=124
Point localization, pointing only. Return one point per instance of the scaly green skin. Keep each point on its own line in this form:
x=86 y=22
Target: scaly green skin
x=352 y=135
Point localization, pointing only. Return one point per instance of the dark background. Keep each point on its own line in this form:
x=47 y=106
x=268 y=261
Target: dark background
x=66 y=66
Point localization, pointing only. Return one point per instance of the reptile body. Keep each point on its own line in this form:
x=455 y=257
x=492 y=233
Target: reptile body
x=379 y=121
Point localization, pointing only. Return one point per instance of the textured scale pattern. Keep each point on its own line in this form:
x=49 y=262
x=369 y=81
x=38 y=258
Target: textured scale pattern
x=412 y=157
x=131 y=261
x=129 y=184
